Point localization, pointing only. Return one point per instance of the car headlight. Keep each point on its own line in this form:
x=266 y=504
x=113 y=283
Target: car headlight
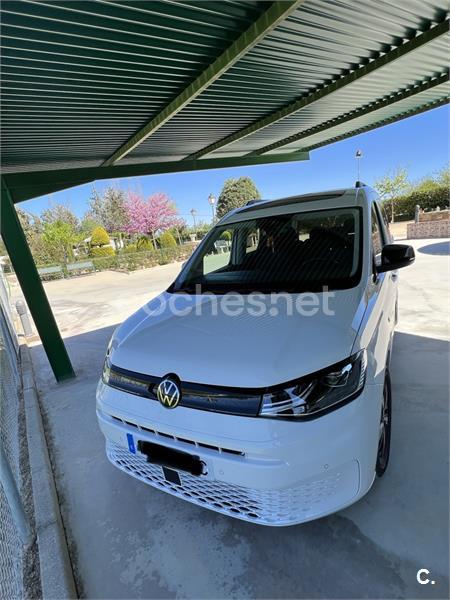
x=318 y=392
x=113 y=378
x=106 y=373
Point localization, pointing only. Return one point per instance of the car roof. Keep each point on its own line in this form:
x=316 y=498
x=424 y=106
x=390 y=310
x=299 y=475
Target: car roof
x=311 y=197
x=358 y=195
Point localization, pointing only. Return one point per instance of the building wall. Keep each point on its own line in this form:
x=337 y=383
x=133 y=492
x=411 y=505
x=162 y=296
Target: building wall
x=436 y=215
x=428 y=229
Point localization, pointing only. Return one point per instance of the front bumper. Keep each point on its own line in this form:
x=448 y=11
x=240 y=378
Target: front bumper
x=266 y=471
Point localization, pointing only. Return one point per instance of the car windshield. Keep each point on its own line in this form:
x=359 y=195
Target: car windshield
x=304 y=251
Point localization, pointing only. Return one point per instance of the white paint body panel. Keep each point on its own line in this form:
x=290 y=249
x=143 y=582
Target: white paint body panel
x=237 y=351
x=281 y=459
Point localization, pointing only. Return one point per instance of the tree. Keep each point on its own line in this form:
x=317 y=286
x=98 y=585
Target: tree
x=443 y=176
x=109 y=209
x=427 y=184
x=60 y=239
x=179 y=228
x=87 y=226
x=236 y=193
x=31 y=224
x=150 y=216
x=391 y=186
x=95 y=212
x=60 y=212
x=33 y=228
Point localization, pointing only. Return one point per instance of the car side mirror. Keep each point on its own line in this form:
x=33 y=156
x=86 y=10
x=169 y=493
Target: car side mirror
x=396 y=256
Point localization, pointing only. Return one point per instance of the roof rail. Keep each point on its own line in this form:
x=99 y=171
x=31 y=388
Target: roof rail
x=250 y=202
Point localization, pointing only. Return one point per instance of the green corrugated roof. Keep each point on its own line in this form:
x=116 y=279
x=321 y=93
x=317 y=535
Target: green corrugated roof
x=148 y=86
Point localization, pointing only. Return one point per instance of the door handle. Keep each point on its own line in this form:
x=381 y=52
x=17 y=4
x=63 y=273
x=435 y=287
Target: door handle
x=394 y=275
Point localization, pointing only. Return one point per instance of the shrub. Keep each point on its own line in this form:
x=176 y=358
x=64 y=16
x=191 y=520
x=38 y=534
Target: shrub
x=102 y=263
x=226 y=235
x=130 y=249
x=100 y=251
x=166 y=240
x=99 y=237
x=138 y=260
x=404 y=206
x=144 y=244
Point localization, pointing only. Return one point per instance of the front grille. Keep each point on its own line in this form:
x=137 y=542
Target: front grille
x=179 y=439
x=268 y=507
x=220 y=399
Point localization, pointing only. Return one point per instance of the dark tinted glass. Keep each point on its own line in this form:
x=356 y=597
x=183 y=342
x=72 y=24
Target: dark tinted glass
x=289 y=252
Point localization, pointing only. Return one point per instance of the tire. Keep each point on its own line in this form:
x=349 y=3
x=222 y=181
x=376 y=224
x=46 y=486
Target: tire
x=384 y=443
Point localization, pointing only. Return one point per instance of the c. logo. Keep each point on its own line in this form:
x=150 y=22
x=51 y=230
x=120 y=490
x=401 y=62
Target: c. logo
x=168 y=393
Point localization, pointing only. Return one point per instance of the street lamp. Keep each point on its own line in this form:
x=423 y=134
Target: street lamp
x=194 y=213
x=212 y=201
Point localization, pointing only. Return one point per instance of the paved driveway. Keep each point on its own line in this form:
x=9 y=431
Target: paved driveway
x=128 y=540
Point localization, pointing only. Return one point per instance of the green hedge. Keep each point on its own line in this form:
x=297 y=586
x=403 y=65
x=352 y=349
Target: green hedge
x=100 y=251
x=137 y=260
x=102 y=263
x=405 y=206
x=144 y=260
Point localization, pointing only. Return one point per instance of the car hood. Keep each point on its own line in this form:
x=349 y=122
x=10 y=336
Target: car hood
x=237 y=351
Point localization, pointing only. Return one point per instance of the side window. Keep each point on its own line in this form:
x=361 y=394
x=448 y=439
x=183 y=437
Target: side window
x=377 y=237
x=252 y=241
x=219 y=255
x=383 y=212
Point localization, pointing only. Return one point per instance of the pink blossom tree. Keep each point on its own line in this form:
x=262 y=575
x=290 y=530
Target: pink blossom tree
x=150 y=216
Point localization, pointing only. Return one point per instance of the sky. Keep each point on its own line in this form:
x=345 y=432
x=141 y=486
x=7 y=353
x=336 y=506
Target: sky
x=419 y=143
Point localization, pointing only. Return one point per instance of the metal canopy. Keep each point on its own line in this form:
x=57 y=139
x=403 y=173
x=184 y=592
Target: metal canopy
x=117 y=88
x=112 y=84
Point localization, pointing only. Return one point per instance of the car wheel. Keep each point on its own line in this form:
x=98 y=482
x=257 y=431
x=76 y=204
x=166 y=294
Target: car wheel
x=384 y=442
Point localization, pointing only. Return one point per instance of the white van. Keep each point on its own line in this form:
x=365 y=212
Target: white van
x=258 y=384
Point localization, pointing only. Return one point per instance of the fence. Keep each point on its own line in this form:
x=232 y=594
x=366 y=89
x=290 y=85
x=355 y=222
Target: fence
x=123 y=261
x=14 y=530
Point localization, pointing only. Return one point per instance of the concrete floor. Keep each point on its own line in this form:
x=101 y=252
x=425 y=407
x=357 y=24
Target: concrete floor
x=128 y=540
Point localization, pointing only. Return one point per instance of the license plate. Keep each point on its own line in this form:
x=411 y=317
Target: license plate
x=170 y=458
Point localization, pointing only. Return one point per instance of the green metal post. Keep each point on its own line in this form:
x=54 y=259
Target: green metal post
x=30 y=282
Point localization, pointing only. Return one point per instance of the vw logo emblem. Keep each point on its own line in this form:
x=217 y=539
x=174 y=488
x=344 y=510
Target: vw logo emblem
x=168 y=393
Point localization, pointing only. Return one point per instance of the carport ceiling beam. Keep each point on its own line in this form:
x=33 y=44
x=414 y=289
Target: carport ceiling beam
x=348 y=117
x=275 y=14
x=304 y=101
x=24 y=186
